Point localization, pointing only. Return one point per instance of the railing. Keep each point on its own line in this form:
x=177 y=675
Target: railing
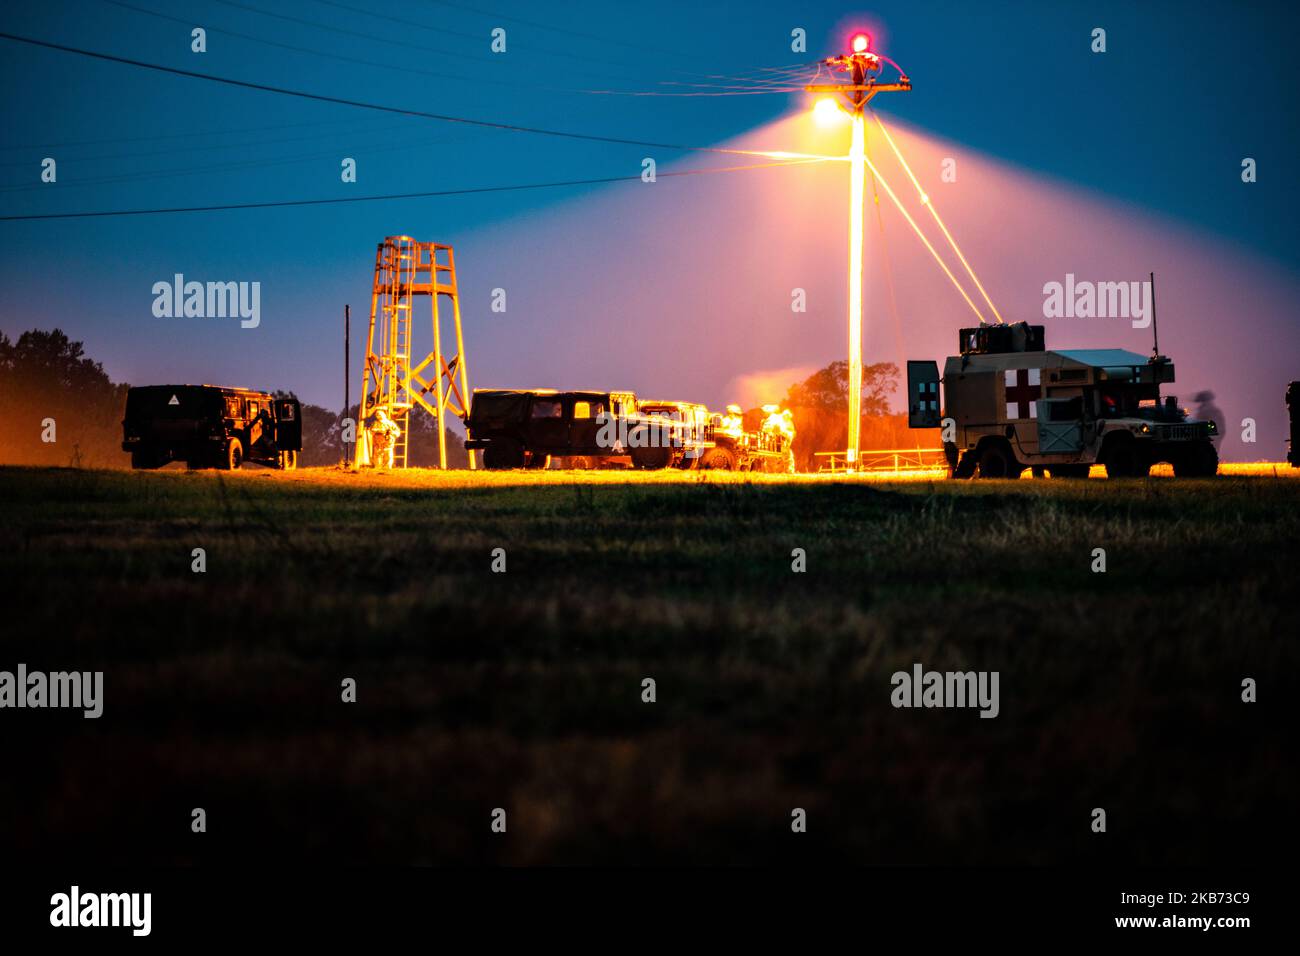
x=894 y=460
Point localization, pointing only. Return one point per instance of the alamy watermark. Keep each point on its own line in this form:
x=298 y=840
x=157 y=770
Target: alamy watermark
x=922 y=688
x=76 y=908
x=1073 y=299
x=82 y=690
x=208 y=300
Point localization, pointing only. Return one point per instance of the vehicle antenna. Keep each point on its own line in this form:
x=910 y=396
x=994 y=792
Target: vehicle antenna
x=1155 y=329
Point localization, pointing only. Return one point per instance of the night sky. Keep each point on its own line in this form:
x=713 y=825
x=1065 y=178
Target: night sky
x=1108 y=165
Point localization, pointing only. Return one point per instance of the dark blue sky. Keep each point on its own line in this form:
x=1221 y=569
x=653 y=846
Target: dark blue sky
x=1161 y=121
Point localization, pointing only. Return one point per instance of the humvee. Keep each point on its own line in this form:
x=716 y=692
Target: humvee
x=210 y=426
x=1010 y=404
x=524 y=428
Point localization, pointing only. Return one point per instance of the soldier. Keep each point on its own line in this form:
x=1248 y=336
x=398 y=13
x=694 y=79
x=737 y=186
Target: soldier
x=384 y=433
x=1207 y=411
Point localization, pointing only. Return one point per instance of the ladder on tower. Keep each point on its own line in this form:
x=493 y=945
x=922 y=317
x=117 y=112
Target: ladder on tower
x=405 y=272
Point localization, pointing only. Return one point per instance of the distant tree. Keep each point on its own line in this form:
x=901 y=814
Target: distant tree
x=321 y=432
x=819 y=404
x=422 y=450
x=828 y=389
x=46 y=375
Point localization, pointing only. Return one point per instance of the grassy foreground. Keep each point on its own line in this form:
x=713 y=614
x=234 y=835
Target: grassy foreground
x=522 y=690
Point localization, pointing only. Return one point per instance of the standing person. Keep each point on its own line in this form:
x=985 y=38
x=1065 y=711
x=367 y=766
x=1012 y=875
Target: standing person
x=384 y=433
x=1207 y=411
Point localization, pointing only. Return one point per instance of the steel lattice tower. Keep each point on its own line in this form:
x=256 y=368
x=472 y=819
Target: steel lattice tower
x=406 y=270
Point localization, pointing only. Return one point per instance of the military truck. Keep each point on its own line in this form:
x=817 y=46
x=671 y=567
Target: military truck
x=531 y=428
x=765 y=448
x=686 y=441
x=210 y=426
x=525 y=428
x=1010 y=404
x=710 y=441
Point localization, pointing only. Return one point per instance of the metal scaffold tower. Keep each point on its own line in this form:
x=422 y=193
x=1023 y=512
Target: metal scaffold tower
x=392 y=386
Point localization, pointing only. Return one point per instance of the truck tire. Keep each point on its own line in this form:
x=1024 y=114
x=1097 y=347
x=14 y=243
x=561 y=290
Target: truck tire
x=1200 y=460
x=652 y=458
x=288 y=460
x=718 y=458
x=995 y=461
x=503 y=453
x=234 y=455
x=537 y=461
x=1122 y=458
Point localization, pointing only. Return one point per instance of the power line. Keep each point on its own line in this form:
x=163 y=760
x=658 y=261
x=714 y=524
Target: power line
x=147 y=175
x=346 y=32
x=146 y=139
x=333 y=56
x=417 y=195
x=575 y=33
x=208 y=147
x=441 y=117
x=310 y=51
x=466 y=36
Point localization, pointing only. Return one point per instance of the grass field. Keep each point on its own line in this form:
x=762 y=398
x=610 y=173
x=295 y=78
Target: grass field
x=522 y=690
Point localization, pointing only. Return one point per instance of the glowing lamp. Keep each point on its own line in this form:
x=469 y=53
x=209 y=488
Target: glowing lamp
x=860 y=43
x=826 y=112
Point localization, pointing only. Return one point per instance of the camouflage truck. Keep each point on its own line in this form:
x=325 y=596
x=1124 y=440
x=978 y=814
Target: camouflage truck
x=1011 y=404
x=210 y=426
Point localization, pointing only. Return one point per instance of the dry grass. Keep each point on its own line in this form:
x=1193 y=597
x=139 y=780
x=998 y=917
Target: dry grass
x=522 y=690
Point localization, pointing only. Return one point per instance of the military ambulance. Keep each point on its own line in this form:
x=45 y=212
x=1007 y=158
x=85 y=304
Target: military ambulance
x=1011 y=404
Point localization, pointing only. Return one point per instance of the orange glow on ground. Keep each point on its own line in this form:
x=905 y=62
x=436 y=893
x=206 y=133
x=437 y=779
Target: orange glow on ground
x=461 y=479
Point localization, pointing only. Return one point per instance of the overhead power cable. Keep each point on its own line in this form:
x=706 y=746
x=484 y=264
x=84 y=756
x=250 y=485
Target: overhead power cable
x=928 y=203
x=917 y=229
x=401 y=111
x=415 y=195
x=758 y=85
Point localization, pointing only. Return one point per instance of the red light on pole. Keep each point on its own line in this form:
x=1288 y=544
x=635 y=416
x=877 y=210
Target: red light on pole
x=860 y=43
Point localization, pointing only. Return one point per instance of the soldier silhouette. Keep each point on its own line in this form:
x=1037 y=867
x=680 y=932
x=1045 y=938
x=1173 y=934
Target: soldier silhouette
x=1207 y=411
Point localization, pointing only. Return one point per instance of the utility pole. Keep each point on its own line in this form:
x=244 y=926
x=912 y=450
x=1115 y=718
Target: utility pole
x=347 y=364
x=862 y=65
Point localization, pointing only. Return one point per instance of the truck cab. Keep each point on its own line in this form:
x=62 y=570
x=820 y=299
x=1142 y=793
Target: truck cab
x=1008 y=404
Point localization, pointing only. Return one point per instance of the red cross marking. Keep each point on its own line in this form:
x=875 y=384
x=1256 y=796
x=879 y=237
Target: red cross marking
x=1022 y=393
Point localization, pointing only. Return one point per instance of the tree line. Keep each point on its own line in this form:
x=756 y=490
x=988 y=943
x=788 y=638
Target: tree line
x=61 y=408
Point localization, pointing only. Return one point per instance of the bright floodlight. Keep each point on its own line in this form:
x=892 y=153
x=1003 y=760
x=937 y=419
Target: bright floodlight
x=861 y=42
x=826 y=112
